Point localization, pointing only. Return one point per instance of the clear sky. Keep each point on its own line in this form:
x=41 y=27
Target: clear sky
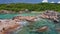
x=26 y=1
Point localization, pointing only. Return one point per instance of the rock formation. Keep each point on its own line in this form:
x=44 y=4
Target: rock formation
x=27 y=18
x=8 y=26
x=6 y=12
x=50 y=15
x=42 y=29
x=24 y=11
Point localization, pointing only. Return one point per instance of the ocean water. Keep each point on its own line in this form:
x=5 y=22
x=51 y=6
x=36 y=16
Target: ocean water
x=31 y=28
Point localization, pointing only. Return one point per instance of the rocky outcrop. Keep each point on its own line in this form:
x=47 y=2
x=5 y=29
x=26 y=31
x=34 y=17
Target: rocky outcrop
x=7 y=26
x=50 y=15
x=6 y=12
x=24 y=11
x=27 y=18
x=10 y=11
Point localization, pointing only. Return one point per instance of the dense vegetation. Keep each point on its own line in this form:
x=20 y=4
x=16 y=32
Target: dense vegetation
x=31 y=7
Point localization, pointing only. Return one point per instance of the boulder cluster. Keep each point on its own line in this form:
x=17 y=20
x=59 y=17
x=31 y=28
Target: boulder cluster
x=11 y=12
x=27 y=18
x=51 y=15
x=7 y=26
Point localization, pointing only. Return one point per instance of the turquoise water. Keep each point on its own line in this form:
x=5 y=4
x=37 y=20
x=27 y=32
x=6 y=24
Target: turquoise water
x=30 y=29
x=9 y=16
x=42 y=22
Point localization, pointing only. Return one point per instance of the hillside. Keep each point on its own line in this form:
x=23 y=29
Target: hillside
x=32 y=7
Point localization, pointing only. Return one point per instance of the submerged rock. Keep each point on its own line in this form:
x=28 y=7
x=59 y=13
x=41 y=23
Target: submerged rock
x=42 y=29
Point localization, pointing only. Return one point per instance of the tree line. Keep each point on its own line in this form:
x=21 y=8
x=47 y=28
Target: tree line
x=32 y=7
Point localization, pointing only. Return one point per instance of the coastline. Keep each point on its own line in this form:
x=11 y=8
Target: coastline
x=20 y=20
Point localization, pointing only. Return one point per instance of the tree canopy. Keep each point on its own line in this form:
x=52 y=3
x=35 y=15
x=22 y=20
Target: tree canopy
x=32 y=7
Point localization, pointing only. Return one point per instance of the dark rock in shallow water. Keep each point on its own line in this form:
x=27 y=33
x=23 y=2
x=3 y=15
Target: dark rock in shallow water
x=56 y=21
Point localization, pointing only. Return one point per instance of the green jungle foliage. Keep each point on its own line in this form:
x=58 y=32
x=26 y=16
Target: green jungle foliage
x=32 y=7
